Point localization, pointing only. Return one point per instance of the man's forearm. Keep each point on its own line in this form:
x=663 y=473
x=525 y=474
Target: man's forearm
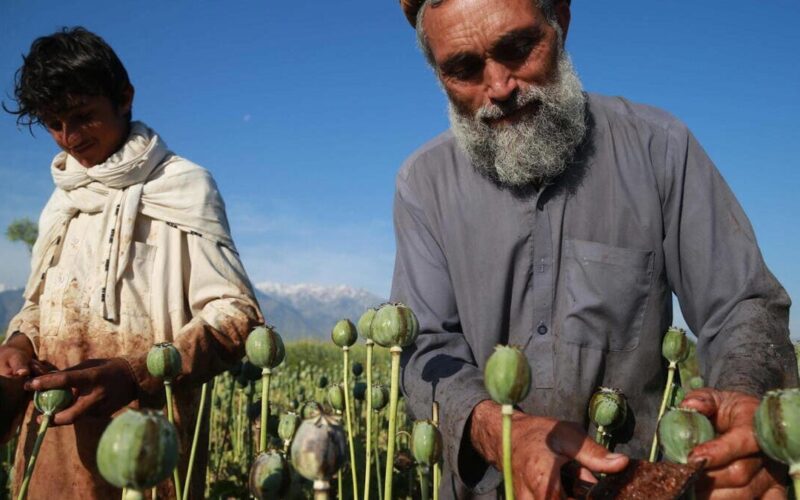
x=485 y=431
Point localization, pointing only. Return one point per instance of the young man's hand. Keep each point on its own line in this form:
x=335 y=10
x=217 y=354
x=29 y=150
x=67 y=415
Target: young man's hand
x=16 y=356
x=734 y=464
x=99 y=386
x=540 y=446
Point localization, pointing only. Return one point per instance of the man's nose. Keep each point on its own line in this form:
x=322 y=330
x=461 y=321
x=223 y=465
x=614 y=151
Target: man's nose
x=501 y=84
x=70 y=134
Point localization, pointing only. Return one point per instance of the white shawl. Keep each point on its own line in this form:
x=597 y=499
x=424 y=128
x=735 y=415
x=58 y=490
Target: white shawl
x=136 y=179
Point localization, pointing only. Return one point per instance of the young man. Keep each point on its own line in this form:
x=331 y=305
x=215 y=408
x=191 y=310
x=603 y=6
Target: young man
x=133 y=249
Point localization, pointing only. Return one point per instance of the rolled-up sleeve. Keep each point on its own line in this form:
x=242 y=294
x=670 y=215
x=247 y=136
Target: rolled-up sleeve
x=440 y=365
x=26 y=322
x=728 y=297
x=224 y=310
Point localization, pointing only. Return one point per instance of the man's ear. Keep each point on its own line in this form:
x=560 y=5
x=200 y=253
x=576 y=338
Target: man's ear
x=563 y=16
x=126 y=104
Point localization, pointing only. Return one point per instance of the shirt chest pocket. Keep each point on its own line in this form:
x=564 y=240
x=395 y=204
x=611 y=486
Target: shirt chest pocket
x=605 y=294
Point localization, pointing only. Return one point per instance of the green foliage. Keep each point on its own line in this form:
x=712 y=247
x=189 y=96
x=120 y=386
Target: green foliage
x=24 y=230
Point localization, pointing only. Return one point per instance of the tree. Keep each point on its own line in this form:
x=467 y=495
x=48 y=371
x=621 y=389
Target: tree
x=24 y=230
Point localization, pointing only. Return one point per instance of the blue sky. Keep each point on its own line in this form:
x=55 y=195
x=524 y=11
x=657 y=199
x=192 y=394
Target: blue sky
x=305 y=110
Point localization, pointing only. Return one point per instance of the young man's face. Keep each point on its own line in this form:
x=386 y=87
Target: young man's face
x=92 y=129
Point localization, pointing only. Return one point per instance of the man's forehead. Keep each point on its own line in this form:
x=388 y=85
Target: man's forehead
x=411 y=7
x=457 y=25
x=69 y=104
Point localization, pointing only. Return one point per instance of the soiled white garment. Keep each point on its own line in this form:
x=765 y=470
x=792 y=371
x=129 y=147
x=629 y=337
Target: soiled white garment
x=133 y=180
x=131 y=250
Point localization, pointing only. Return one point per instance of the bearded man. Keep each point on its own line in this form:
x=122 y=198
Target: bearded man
x=133 y=249
x=562 y=222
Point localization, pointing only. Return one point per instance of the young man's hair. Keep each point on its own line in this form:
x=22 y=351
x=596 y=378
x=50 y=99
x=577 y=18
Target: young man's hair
x=59 y=67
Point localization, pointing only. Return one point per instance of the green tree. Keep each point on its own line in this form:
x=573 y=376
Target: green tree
x=24 y=230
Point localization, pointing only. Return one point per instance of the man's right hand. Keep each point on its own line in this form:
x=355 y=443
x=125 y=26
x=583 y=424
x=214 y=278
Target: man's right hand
x=540 y=446
x=16 y=356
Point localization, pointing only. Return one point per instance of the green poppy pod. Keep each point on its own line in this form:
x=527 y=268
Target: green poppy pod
x=322 y=382
x=288 y=425
x=138 y=450
x=344 y=333
x=269 y=476
x=380 y=397
x=426 y=443
x=359 y=391
x=264 y=347
x=675 y=346
x=52 y=401
x=777 y=423
x=357 y=369
x=678 y=395
x=319 y=447
x=394 y=325
x=311 y=409
x=365 y=323
x=680 y=430
x=336 y=397
x=507 y=375
x=608 y=408
x=696 y=382
x=164 y=361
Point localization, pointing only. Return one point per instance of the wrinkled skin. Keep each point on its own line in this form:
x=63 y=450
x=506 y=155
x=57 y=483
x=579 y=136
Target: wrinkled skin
x=540 y=447
x=734 y=464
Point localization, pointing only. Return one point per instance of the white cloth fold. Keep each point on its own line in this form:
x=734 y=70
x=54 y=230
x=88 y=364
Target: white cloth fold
x=139 y=178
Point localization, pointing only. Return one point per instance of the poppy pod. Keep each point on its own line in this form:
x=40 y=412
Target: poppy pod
x=52 y=401
x=777 y=423
x=507 y=375
x=164 y=361
x=319 y=448
x=365 y=323
x=288 y=425
x=680 y=430
x=675 y=347
x=426 y=442
x=269 y=476
x=608 y=408
x=344 y=333
x=380 y=397
x=336 y=397
x=264 y=347
x=394 y=325
x=138 y=450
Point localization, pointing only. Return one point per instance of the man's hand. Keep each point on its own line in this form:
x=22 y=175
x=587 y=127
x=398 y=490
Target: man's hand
x=734 y=464
x=100 y=387
x=540 y=446
x=16 y=356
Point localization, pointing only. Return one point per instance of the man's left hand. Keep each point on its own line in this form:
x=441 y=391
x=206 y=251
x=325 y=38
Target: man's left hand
x=734 y=464
x=99 y=387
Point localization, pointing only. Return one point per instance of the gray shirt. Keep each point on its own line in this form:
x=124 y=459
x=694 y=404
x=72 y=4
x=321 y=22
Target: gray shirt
x=580 y=275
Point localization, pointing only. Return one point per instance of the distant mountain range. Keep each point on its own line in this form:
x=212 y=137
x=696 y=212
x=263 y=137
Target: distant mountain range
x=297 y=311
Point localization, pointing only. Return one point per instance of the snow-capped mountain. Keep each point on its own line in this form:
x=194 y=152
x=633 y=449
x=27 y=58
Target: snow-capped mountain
x=309 y=310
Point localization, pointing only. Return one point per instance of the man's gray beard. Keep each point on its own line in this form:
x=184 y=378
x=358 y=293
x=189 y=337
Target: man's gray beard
x=538 y=146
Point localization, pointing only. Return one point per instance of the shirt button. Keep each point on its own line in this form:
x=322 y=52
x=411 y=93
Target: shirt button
x=542 y=329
